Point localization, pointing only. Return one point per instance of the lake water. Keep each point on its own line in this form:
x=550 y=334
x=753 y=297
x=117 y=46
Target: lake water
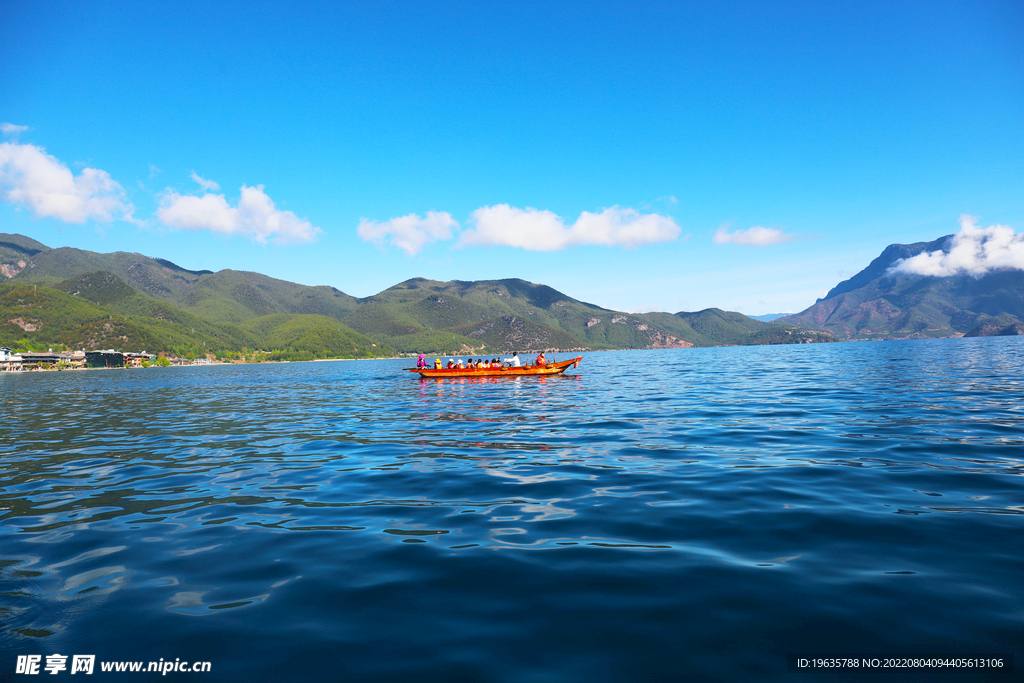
x=659 y=516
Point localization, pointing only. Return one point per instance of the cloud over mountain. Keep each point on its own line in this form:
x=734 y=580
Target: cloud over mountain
x=972 y=251
x=409 y=233
x=541 y=230
x=255 y=217
x=30 y=177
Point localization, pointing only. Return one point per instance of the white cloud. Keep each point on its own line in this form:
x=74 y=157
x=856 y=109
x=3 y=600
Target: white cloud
x=409 y=233
x=12 y=130
x=972 y=251
x=536 y=230
x=209 y=212
x=154 y=171
x=207 y=185
x=255 y=217
x=31 y=177
x=756 y=236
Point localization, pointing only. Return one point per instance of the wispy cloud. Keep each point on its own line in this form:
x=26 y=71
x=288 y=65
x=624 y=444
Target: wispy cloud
x=154 y=171
x=541 y=230
x=255 y=217
x=12 y=131
x=30 y=177
x=757 y=236
x=207 y=185
x=667 y=201
x=972 y=251
x=409 y=233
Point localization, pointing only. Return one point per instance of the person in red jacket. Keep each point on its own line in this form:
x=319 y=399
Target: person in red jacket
x=541 y=360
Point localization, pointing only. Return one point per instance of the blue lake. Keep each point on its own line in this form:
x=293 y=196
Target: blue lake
x=654 y=515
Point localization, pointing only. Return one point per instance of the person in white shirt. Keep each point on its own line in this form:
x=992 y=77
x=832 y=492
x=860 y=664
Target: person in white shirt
x=513 y=361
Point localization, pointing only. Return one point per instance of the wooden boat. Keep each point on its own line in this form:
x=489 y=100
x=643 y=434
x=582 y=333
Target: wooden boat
x=503 y=371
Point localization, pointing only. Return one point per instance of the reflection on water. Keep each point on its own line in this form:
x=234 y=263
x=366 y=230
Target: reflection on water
x=655 y=514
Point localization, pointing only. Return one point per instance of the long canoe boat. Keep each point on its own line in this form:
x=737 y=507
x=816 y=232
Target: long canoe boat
x=549 y=369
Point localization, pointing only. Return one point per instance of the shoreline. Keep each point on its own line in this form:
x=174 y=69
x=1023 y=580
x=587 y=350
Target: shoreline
x=413 y=356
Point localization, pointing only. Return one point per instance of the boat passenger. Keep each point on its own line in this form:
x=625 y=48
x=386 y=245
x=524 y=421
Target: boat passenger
x=484 y=364
x=437 y=363
x=513 y=362
x=540 y=359
x=451 y=364
x=459 y=363
x=421 y=362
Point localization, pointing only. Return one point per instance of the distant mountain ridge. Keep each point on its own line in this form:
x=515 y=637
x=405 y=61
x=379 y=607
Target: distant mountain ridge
x=879 y=304
x=878 y=267
x=173 y=266
x=235 y=311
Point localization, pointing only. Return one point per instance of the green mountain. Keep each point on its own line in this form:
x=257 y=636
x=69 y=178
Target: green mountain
x=228 y=295
x=143 y=302
x=499 y=316
x=307 y=337
x=715 y=327
x=99 y=310
x=877 y=304
x=33 y=317
x=512 y=314
x=237 y=296
x=999 y=326
x=15 y=252
x=509 y=333
x=175 y=330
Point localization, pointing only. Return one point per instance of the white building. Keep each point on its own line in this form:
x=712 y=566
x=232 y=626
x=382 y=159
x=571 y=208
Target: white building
x=9 y=361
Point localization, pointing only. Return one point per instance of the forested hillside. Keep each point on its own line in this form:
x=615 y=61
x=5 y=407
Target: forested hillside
x=84 y=299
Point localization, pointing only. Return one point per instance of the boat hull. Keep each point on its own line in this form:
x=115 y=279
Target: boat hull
x=525 y=371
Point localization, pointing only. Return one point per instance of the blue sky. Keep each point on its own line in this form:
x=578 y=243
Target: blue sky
x=744 y=155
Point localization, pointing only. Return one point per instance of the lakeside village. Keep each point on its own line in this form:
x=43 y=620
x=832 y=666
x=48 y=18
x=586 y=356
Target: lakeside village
x=79 y=360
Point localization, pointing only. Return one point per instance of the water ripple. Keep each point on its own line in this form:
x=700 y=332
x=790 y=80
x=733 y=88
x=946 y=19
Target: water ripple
x=678 y=513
